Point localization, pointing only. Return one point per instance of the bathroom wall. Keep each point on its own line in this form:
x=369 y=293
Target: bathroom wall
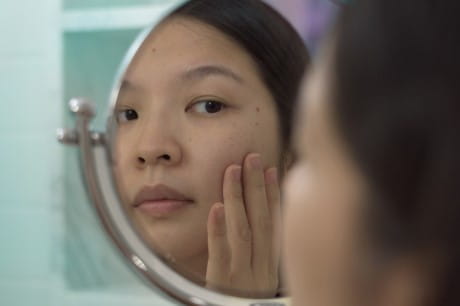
x=51 y=249
x=30 y=159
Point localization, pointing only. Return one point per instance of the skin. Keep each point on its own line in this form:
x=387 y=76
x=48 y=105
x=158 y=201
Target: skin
x=215 y=158
x=328 y=258
x=322 y=195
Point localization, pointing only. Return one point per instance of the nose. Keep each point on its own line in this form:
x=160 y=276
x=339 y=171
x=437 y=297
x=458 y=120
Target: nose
x=158 y=147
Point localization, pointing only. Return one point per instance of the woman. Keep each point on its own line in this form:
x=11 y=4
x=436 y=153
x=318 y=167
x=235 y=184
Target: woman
x=373 y=201
x=203 y=125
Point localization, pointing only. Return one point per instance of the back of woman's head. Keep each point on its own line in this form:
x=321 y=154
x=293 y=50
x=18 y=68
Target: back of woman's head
x=276 y=48
x=397 y=105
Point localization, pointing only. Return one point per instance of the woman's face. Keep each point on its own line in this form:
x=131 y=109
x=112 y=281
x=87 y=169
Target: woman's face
x=323 y=194
x=192 y=103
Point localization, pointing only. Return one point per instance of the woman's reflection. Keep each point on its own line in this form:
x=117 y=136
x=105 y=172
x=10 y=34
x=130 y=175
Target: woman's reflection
x=203 y=127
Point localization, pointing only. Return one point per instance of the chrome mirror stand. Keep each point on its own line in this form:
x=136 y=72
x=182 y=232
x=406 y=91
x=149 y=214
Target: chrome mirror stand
x=84 y=111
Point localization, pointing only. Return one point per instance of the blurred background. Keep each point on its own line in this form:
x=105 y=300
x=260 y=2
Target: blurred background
x=52 y=251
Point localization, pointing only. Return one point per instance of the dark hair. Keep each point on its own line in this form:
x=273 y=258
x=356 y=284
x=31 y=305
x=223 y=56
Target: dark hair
x=277 y=49
x=397 y=104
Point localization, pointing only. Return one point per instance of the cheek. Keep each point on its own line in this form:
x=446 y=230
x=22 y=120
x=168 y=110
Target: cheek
x=296 y=201
x=319 y=238
x=266 y=137
x=124 y=144
x=231 y=140
x=124 y=159
x=212 y=151
x=209 y=161
x=122 y=153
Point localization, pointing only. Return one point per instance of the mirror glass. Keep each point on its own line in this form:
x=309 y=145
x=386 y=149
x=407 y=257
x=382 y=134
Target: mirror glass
x=199 y=148
x=201 y=125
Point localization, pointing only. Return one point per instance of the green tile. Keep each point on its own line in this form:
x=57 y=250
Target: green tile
x=31 y=172
x=26 y=294
x=27 y=244
x=30 y=97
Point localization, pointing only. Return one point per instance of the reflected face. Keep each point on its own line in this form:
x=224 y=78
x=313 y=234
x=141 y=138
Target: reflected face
x=192 y=103
x=324 y=193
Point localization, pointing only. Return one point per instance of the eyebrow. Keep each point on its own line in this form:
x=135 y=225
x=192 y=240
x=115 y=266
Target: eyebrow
x=202 y=72
x=197 y=73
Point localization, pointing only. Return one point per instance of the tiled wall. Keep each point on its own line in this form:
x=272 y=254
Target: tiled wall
x=34 y=199
x=30 y=159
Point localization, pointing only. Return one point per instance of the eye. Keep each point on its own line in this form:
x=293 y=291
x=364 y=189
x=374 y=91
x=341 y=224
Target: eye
x=126 y=115
x=207 y=106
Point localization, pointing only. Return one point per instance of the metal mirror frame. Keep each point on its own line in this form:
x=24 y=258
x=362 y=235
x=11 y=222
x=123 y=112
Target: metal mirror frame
x=95 y=164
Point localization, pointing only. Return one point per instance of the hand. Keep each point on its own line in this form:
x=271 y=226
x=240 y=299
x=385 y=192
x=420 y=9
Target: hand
x=243 y=232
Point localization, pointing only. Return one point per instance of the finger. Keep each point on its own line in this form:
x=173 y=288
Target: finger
x=238 y=231
x=274 y=205
x=259 y=217
x=218 y=250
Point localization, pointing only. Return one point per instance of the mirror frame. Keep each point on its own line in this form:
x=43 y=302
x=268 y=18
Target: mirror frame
x=95 y=164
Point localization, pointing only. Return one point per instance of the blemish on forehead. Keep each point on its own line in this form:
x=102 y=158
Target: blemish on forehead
x=257 y=109
x=154 y=50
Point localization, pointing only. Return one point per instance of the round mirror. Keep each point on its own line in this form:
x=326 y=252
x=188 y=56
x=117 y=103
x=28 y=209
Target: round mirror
x=186 y=179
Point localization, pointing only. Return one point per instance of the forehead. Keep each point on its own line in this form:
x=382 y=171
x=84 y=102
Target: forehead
x=188 y=29
x=186 y=41
x=318 y=90
x=317 y=130
x=318 y=85
x=314 y=98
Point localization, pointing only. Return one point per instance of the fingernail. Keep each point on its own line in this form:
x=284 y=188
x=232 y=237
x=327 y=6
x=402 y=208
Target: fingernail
x=220 y=212
x=272 y=176
x=219 y=219
x=255 y=162
x=236 y=174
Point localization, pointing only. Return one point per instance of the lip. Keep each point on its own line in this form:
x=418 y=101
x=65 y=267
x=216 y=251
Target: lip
x=160 y=200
